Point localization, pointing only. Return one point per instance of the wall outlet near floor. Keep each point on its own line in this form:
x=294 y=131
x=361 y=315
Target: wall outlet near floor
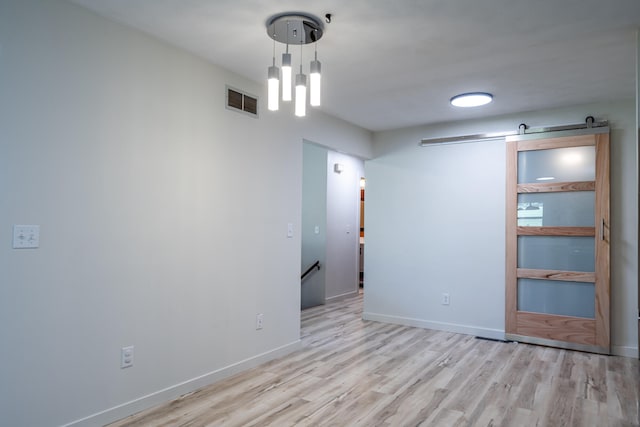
x=259 y=320
x=445 y=298
x=126 y=357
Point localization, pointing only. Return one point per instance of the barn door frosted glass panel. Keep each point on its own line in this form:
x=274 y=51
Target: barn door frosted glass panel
x=557 y=209
x=557 y=165
x=553 y=297
x=557 y=253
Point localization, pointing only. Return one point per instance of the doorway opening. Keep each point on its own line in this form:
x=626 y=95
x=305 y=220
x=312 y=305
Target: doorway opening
x=332 y=224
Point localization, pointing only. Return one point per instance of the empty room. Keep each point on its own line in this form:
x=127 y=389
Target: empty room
x=287 y=213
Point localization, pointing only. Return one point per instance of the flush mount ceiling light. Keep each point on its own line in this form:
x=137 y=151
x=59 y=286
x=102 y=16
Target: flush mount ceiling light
x=472 y=99
x=291 y=28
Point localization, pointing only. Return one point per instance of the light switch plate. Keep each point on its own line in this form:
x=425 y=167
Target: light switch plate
x=26 y=236
x=290 y=230
x=126 y=357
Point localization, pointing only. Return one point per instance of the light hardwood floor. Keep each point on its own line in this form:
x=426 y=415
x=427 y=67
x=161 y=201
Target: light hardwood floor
x=352 y=372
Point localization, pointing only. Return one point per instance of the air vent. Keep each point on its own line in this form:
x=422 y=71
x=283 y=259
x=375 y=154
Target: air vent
x=243 y=102
x=234 y=99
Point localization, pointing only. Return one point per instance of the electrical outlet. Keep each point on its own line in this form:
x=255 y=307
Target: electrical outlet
x=445 y=299
x=126 y=357
x=259 y=320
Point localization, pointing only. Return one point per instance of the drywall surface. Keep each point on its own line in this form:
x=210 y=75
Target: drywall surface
x=314 y=223
x=163 y=218
x=638 y=167
x=436 y=224
x=343 y=224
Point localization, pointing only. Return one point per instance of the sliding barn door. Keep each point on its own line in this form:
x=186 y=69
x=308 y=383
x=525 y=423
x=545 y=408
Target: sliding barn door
x=557 y=249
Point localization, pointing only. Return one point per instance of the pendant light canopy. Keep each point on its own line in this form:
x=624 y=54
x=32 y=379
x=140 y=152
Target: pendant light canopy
x=295 y=29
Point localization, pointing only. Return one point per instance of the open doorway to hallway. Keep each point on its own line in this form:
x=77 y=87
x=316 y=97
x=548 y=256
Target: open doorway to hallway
x=331 y=225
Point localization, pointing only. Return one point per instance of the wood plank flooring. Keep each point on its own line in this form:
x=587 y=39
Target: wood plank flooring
x=352 y=372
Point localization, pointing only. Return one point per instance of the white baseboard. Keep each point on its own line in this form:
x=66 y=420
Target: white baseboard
x=496 y=334
x=616 y=350
x=129 y=408
x=619 y=350
x=345 y=295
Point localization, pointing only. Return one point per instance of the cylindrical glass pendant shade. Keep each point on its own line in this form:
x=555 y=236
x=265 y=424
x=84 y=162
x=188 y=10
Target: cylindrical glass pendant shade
x=314 y=84
x=273 y=88
x=301 y=95
x=286 y=77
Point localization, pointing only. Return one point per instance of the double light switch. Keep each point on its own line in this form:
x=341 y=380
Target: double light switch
x=26 y=236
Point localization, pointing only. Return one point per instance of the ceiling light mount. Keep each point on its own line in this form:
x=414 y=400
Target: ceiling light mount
x=295 y=28
x=471 y=99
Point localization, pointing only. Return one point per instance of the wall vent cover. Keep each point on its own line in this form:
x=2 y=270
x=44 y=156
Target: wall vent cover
x=238 y=100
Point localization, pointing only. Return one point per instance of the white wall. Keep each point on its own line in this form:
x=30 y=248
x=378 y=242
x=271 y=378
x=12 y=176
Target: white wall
x=314 y=214
x=638 y=163
x=435 y=223
x=163 y=218
x=343 y=224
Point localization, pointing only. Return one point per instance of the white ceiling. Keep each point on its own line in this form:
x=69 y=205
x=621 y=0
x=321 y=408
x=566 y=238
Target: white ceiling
x=395 y=63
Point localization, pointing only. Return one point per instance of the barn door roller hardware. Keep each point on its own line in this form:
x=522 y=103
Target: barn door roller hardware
x=589 y=126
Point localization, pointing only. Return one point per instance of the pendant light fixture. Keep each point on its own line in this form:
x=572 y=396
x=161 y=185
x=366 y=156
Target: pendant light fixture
x=273 y=87
x=314 y=80
x=286 y=70
x=293 y=28
x=301 y=91
x=301 y=94
x=286 y=75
